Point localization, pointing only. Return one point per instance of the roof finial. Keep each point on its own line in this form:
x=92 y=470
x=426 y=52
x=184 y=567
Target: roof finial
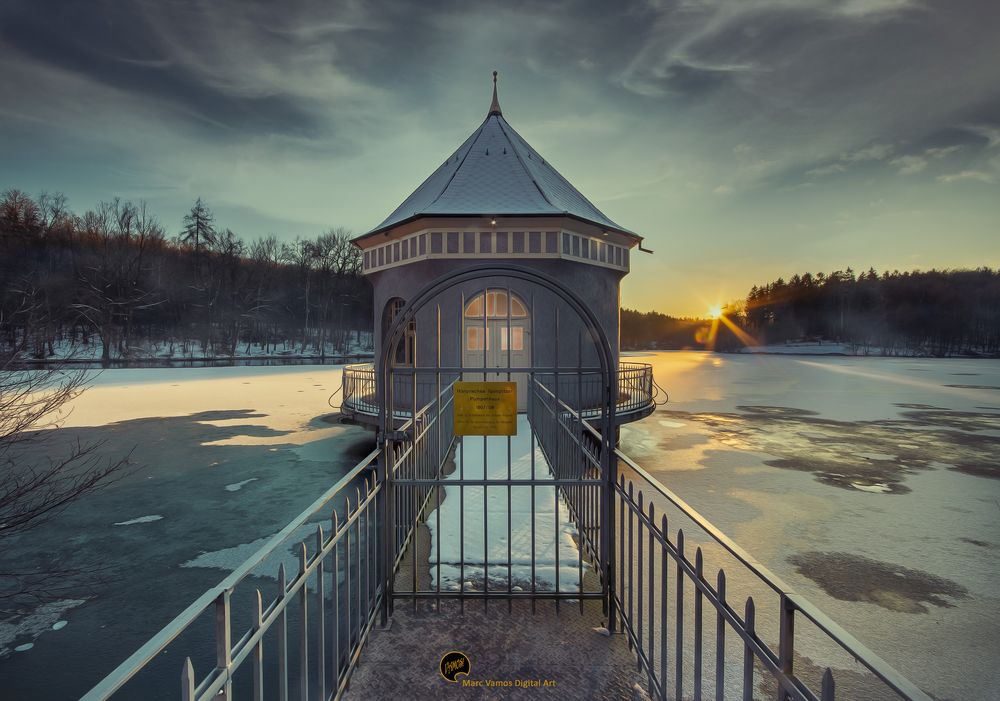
x=495 y=106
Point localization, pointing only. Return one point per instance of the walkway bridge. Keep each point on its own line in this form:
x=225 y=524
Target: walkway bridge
x=553 y=561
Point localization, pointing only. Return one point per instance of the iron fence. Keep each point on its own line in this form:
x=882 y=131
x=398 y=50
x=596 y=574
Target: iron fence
x=330 y=601
x=417 y=456
x=574 y=455
x=661 y=595
x=507 y=484
x=358 y=383
x=636 y=389
x=658 y=595
x=614 y=526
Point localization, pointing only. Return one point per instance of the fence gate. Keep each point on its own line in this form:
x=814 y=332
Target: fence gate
x=522 y=516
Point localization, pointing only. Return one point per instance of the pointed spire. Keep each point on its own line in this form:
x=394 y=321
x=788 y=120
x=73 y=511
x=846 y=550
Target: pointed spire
x=495 y=106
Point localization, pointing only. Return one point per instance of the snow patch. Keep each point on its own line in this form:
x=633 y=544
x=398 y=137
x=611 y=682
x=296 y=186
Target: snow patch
x=877 y=488
x=31 y=625
x=829 y=348
x=59 y=625
x=141 y=519
x=237 y=486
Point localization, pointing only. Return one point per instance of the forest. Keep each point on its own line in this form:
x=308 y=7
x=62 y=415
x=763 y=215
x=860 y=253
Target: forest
x=653 y=330
x=924 y=313
x=114 y=284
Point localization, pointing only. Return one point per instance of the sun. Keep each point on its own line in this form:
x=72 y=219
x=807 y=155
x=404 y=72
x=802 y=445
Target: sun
x=715 y=311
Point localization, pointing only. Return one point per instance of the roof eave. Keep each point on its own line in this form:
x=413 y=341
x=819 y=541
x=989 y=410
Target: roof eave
x=507 y=215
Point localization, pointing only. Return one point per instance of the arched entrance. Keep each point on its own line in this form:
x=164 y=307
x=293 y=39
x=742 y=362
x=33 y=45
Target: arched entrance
x=521 y=513
x=496 y=333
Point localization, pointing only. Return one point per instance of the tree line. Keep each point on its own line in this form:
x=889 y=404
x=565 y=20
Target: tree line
x=115 y=284
x=653 y=330
x=934 y=313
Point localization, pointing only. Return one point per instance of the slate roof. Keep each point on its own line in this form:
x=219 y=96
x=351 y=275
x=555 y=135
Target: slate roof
x=496 y=172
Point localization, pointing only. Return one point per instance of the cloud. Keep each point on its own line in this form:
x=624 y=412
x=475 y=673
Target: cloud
x=875 y=152
x=828 y=169
x=315 y=112
x=943 y=151
x=909 y=165
x=990 y=133
x=723 y=190
x=967 y=175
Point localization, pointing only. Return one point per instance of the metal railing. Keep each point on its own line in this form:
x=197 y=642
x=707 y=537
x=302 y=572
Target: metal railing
x=574 y=455
x=358 y=385
x=417 y=455
x=747 y=635
x=658 y=589
x=340 y=577
x=331 y=602
x=636 y=389
x=478 y=476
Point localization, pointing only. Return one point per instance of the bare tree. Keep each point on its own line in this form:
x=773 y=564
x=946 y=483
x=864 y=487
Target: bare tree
x=19 y=213
x=35 y=489
x=111 y=276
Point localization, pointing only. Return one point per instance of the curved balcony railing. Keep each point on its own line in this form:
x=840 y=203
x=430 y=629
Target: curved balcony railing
x=637 y=391
x=636 y=388
x=358 y=389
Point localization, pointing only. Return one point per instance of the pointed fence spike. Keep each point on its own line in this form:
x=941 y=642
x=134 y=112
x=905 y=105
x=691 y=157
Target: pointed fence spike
x=303 y=557
x=282 y=579
x=720 y=637
x=319 y=538
x=828 y=686
x=187 y=680
x=748 y=654
x=698 y=562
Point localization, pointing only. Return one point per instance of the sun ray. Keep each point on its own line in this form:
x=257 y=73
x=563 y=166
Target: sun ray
x=744 y=337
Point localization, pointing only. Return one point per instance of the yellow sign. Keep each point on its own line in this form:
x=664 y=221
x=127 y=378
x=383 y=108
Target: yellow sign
x=485 y=408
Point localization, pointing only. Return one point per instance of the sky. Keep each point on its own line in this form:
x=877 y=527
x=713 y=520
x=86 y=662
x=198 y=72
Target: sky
x=744 y=139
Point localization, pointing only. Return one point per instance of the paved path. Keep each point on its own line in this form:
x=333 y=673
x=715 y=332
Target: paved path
x=402 y=662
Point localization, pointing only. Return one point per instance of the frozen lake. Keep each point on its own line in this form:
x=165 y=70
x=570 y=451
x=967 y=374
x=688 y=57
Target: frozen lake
x=869 y=484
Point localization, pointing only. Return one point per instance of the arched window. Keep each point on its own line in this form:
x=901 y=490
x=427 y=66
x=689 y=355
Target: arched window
x=406 y=350
x=496 y=306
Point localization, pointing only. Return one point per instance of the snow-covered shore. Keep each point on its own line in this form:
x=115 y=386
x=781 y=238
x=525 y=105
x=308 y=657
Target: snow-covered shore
x=166 y=353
